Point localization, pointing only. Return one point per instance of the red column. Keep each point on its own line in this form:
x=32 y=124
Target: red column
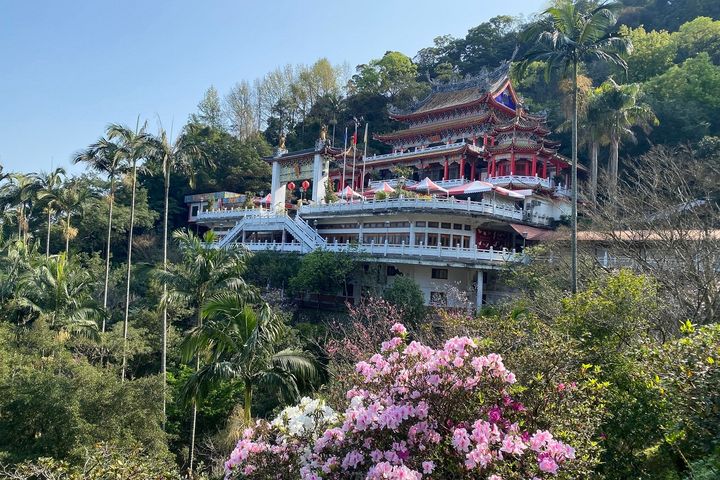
x=472 y=170
x=545 y=162
x=446 y=173
x=534 y=166
x=462 y=166
x=485 y=140
x=512 y=164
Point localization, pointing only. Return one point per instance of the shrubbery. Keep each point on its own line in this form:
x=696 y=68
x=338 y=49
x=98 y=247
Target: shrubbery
x=413 y=411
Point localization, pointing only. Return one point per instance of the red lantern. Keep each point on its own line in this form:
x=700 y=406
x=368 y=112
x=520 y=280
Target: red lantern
x=305 y=185
x=291 y=186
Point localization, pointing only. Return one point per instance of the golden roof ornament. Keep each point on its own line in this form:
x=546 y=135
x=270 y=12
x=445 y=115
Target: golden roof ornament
x=323 y=133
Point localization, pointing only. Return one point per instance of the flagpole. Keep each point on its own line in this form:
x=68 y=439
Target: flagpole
x=342 y=187
x=365 y=140
x=354 y=151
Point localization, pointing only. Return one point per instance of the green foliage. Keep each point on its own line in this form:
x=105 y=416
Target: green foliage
x=688 y=376
x=209 y=110
x=686 y=98
x=405 y=294
x=104 y=461
x=241 y=339
x=54 y=404
x=238 y=165
x=323 y=273
x=272 y=269
x=653 y=52
x=388 y=75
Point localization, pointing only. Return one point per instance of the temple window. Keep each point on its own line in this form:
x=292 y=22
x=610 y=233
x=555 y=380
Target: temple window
x=438 y=298
x=439 y=273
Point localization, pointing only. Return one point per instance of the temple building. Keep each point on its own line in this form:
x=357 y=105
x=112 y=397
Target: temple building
x=471 y=180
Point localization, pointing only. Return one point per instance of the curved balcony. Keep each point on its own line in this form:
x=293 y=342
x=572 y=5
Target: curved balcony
x=398 y=252
x=436 y=205
x=524 y=180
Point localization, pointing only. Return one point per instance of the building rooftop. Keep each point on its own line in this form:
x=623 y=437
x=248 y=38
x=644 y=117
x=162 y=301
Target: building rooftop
x=457 y=93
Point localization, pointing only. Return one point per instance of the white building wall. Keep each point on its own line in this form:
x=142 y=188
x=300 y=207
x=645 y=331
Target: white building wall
x=459 y=281
x=278 y=189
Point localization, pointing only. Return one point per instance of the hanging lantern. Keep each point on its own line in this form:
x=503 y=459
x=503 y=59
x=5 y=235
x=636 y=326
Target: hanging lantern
x=291 y=186
x=305 y=185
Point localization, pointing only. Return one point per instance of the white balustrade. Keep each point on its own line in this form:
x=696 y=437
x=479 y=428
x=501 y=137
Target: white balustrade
x=506 y=211
x=520 y=179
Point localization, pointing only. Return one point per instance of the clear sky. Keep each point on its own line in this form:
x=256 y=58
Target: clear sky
x=68 y=68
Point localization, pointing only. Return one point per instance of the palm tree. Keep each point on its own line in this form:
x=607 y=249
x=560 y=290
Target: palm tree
x=20 y=194
x=182 y=155
x=595 y=126
x=60 y=293
x=104 y=156
x=204 y=271
x=566 y=35
x=49 y=183
x=71 y=200
x=132 y=148
x=622 y=111
x=241 y=340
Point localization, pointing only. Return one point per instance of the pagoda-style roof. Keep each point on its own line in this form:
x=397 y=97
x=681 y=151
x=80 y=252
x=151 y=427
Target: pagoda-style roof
x=459 y=93
x=428 y=129
x=452 y=149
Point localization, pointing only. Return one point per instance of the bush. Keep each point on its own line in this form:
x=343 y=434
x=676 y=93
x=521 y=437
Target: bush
x=407 y=296
x=414 y=411
x=103 y=462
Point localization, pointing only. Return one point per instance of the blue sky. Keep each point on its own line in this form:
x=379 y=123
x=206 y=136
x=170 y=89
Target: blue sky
x=68 y=68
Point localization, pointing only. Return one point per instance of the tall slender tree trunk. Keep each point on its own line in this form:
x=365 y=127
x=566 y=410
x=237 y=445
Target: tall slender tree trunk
x=67 y=234
x=22 y=229
x=573 y=240
x=614 y=164
x=594 y=150
x=247 y=406
x=163 y=360
x=194 y=409
x=129 y=266
x=47 y=238
x=107 y=250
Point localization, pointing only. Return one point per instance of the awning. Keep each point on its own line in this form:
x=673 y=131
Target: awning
x=349 y=193
x=509 y=193
x=428 y=186
x=473 y=187
x=533 y=233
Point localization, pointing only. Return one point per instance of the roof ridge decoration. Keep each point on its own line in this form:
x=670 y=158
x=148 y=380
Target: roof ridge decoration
x=485 y=79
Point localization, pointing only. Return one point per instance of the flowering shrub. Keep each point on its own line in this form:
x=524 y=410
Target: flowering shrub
x=415 y=412
x=279 y=449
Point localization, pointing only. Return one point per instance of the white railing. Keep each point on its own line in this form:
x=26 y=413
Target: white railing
x=222 y=213
x=436 y=204
x=389 y=250
x=520 y=179
x=437 y=148
x=393 y=182
x=308 y=231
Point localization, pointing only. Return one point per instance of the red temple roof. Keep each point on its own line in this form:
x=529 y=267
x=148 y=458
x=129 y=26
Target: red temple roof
x=461 y=93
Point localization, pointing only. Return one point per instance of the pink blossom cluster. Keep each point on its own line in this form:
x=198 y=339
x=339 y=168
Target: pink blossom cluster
x=416 y=412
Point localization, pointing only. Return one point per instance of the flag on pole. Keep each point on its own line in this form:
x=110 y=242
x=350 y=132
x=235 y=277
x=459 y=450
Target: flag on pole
x=365 y=137
x=354 y=138
x=344 y=159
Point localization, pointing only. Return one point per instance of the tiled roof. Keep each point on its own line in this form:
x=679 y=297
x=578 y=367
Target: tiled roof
x=460 y=92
